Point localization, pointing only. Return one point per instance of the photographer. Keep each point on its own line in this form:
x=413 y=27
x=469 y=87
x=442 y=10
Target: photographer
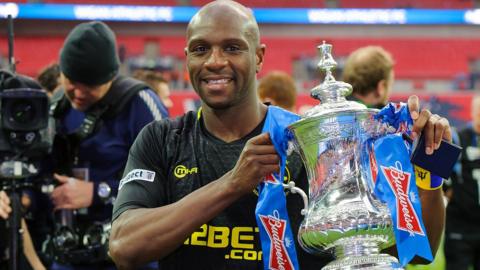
x=98 y=115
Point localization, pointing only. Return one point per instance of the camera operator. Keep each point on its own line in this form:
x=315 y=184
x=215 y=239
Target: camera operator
x=98 y=115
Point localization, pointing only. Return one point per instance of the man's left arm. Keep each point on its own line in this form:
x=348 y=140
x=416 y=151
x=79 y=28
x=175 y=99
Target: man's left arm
x=434 y=128
x=433 y=214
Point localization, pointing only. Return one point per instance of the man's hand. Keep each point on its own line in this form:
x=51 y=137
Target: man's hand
x=257 y=160
x=433 y=126
x=72 y=193
x=5 y=208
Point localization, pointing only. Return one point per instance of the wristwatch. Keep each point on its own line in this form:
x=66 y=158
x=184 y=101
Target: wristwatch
x=104 y=192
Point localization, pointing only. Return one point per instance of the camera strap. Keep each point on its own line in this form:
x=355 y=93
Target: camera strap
x=120 y=93
x=122 y=90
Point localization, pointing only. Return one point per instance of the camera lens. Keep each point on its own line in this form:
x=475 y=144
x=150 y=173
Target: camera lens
x=22 y=112
x=65 y=238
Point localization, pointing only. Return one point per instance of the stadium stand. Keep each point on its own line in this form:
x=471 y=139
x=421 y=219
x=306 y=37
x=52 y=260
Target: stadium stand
x=413 y=53
x=451 y=55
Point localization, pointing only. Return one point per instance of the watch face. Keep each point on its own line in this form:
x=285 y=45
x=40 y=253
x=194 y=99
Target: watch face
x=103 y=190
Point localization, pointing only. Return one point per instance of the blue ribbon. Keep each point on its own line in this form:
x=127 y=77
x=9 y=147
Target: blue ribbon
x=277 y=240
x=396 y=186
x=396 y=115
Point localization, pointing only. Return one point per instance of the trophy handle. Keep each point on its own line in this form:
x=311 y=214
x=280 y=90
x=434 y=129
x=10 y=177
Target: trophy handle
x=291 y=186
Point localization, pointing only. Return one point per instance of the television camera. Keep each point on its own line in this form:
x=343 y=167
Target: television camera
x=26 y=130
x=26 y=134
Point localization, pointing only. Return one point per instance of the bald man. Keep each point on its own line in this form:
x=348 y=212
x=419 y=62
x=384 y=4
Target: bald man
x=187 y=197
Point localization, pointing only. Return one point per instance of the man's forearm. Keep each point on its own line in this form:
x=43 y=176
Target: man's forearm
x=143 y=235
x=433 y=213
x=29 y=250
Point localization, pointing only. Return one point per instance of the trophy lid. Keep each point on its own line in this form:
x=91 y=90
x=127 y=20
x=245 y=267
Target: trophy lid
x=331 y=92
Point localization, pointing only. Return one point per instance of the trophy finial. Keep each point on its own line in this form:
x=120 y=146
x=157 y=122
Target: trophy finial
x=330 y=90
x=327 y=63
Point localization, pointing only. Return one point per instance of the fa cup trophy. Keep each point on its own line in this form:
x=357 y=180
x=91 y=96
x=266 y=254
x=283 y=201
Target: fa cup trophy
x=343 y=214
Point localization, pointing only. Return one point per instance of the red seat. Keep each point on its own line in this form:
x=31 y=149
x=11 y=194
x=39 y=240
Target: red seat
x=435 y=58
x=416 y=58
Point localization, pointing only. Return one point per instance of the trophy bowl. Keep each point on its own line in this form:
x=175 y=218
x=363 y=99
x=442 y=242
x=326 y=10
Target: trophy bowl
x=343 y=215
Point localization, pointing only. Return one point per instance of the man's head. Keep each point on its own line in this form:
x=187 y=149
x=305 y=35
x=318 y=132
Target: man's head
x=163 y=91
x=88 y=62
x=476 y=114
x=158 y=83
x=49 y=78
x=370 y=71
x=278 y=88
x=224 y=54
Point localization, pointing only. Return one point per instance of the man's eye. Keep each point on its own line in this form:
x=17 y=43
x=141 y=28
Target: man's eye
x=232 y=48
x=199 y=49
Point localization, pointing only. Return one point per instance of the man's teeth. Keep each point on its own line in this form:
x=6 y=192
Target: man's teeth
x=218 y=81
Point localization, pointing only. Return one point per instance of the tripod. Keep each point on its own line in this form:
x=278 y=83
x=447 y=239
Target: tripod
x=13 y=174
x=14 y=230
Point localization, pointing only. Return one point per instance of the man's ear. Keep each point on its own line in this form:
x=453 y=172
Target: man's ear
x=381 y=88
x=259 y=55
x=267 y=101
x=185 y=50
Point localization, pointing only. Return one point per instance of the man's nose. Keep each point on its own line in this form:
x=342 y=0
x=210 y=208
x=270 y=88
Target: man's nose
x=216 y=60
x=78 y=92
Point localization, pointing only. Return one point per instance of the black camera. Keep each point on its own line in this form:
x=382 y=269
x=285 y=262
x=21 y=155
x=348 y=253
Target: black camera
x=26 y=135
x=26 y=130
x=24 y=109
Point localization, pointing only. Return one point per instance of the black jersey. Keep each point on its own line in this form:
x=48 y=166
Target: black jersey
x=173 y=158
x=463 y=210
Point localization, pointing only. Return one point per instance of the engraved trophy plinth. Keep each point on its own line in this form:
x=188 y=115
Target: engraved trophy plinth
x=343 y=213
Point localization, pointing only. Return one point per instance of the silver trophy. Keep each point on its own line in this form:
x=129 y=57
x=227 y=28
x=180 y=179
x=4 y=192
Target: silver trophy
x=343 y=215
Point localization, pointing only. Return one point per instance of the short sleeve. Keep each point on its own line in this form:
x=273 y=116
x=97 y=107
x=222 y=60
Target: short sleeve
x=143 y=183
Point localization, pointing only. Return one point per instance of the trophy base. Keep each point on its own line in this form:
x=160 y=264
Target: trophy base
x=368 y=262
